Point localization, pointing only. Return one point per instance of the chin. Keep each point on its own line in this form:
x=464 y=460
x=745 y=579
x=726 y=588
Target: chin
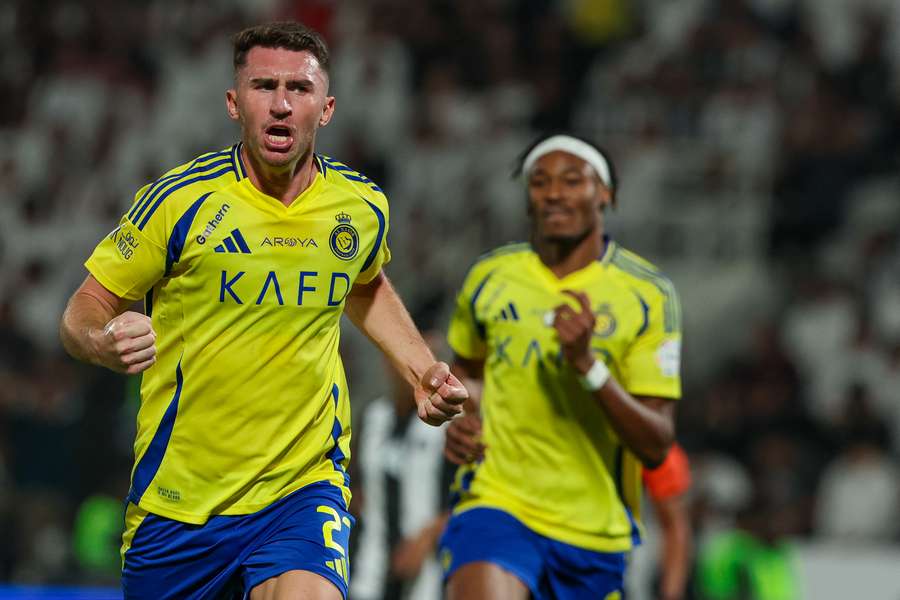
x=277 y=159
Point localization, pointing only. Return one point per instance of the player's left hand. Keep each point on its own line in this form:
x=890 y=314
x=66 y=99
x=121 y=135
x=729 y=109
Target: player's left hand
x=575 y=329
x=410 y=554
x=440 y=395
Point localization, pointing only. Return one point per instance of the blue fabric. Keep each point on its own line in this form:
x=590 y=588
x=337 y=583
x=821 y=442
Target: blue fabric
x=232 y=554
x=551 y=570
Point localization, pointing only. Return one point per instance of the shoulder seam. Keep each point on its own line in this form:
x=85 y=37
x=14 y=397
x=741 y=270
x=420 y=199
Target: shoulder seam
x=671 y=308
x=347 y=172
x=511 y=248
x=188 y=177
x=141 y=203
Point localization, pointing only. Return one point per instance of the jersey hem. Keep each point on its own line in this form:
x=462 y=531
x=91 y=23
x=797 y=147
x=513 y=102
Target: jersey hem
x=236 y=509
x=586 y=541
x=655 y=391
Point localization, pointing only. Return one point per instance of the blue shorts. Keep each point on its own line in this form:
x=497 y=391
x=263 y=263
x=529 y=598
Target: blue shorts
x=551 y=570
x=230 y=555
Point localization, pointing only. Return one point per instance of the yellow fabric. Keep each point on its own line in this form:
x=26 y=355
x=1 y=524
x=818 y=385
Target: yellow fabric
x=553 y=461
x=247 y=320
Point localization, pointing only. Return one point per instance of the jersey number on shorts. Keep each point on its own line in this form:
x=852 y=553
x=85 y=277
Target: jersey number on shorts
x=339 y=565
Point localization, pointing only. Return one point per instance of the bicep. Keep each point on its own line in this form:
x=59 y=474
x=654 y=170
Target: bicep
x=663 y=406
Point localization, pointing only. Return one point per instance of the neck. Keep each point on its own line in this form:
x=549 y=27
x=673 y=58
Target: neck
x=565 y=256
x=283 y=183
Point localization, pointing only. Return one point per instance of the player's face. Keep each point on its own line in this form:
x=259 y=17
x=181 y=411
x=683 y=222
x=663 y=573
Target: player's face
x=565 y=197
x=280 y=99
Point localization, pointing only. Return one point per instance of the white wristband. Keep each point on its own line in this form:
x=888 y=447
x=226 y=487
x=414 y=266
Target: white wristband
x=596 y=376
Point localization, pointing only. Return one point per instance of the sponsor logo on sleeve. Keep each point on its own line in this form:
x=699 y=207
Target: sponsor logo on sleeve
x=125 y=240
x=668 y=357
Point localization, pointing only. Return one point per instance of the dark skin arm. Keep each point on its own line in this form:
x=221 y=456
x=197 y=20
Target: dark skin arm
x=676 y=547
x=463 y=440
x=646 y=425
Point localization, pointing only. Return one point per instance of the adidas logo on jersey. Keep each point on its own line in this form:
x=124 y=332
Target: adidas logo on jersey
x=234 y=243
x=508 y=313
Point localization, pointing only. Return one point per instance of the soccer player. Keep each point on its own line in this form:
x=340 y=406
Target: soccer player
x=246 y=259
x=667 y=486
x=577 y=344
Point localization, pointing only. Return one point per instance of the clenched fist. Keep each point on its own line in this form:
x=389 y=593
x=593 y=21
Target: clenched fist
x=127 y=344
x=439 y=395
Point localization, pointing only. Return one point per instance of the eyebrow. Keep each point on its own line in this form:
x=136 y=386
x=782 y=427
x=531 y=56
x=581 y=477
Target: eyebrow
x=305 y=81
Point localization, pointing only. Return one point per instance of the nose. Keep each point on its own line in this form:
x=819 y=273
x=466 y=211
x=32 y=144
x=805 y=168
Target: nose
x=554 y=189
x=279 y=106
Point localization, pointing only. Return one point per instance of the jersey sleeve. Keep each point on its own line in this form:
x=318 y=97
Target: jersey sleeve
x=466 y=334
x=380 y=254
x=671 y=478
x=652 y=364
x=131 y=259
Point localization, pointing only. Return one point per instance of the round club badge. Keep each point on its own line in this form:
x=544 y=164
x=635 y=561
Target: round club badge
x=606 y=323
x=344 y=240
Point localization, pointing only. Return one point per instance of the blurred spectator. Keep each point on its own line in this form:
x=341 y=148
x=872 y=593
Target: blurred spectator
x=859 y=496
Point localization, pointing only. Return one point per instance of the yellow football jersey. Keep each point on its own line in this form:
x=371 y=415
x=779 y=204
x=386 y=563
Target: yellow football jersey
x=247 y=401
x=553 y=461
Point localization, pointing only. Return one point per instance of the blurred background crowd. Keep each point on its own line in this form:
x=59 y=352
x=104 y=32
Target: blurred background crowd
x=757 y=143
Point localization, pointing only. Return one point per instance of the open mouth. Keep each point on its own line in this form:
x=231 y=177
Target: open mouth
x=278 y=137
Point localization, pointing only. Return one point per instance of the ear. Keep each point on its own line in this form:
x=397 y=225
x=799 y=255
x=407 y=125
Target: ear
x=604 y=196
x=327 y=111
x=231 y=105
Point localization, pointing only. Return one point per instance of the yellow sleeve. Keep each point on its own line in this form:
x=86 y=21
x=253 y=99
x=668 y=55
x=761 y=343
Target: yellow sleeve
x=466 y=334
x=652 y=365
x=380 y=254
x=130 y=260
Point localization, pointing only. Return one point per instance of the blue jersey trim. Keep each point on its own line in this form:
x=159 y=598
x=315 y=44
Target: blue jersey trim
x=167 y=178
x=335 y=454
x=240 y=160
x=646 y=312
x=149 y=464
x=235 y=161
x=179 y=234
x=141 y=205
x=178 y=186
x=378 y=238
x=478 y=325
x=349 y=173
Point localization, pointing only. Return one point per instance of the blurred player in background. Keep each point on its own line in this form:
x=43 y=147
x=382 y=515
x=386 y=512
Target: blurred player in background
x=577 y=343
x=667 y=486
x=246 y=259
x=403 y=481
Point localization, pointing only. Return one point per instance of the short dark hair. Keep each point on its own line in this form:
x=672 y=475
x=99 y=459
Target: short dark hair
x=613 y=176
x=290 y=35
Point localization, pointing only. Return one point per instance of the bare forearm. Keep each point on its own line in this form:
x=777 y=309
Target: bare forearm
x=378 y=312
x=676 y=548
x=645 y=426
x=82 y=323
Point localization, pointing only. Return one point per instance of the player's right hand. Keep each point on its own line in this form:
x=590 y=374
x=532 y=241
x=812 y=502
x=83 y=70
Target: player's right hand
x=127 y=344
x=462 y=444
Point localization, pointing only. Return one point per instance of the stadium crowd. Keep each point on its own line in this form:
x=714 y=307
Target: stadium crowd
x=757 y=143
